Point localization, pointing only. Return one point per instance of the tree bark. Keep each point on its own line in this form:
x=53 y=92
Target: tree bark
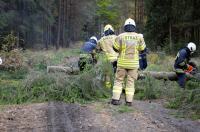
x=59 y=24
x=68 y=70
x=64 y=22
x=135 y=10
x=167 y=75
x=170 y=38
x=157 y=75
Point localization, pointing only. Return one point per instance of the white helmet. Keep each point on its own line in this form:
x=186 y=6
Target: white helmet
x=130 y=22
x=1 y=61
x=107 y=27
x=191 y=46
x=94 y=38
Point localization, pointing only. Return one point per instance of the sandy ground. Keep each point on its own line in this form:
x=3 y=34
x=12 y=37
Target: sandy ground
x=95 y=117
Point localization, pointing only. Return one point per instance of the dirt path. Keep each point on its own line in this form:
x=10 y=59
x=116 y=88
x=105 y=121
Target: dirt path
x=57 y=118
x=23 y=118
x=163 y=118
x=95 y=117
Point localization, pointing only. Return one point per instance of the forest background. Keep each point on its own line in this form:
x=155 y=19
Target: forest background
x=167 y=25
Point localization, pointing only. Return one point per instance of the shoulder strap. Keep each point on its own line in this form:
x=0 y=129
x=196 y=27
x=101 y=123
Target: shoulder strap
x=120 y=45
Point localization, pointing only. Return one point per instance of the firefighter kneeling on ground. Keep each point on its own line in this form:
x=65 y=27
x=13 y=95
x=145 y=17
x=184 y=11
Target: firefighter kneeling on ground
x=183 y=65
x=105 y=44
x=128 y=45
x=87 y=56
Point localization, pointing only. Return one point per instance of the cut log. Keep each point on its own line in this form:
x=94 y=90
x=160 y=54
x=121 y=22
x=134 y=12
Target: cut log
x=167 y=75
x=160 y=75
x=157 y=75
x=67 y=70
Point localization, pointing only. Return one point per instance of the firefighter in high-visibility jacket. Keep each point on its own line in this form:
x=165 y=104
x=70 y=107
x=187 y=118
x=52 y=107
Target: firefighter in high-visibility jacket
x=128 y=45
x=105 y=44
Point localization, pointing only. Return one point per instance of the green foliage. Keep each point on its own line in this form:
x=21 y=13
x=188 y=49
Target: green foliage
x=31 y=83
x=106 y=69
x=9 y=83
x=12 y=60
x=9 y=42
x=180 y=17
x=42 y=59
x=40 y=87
x=176 y=101
x=38 y=61
x=108 y=12
x=158 y=18
x=154 y=67
x=22 y=17
x=6 y=18
x=160 y=62
x=14 y=75
x=149 y=88
x=187 y=101
x=8 y=92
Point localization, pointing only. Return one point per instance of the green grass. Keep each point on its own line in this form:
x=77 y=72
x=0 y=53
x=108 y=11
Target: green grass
x=35 y=85
x=124 y=109
x=187 y=101
x=14 y=74
x=9 y=83
x=42 y=87
x=41 y=59
x=149 y=88
x=31 y=83
x=120 y=109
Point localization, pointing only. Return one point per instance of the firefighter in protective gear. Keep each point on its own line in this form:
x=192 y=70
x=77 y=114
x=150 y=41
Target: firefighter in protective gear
x=143 y=58
x=181 y=64
x=128 y=45
x=87 y=56
x=106 y=46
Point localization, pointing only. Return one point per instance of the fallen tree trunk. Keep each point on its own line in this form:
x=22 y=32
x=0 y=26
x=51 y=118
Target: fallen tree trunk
x=161 y=75
x=158 y=75
x=67 y=70
x=168 y=75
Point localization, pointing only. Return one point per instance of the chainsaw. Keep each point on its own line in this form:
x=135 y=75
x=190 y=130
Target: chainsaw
x=192 y=69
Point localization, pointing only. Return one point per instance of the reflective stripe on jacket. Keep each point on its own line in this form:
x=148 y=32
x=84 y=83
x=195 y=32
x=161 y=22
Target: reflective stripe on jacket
x=129 y=44
x=106 y=44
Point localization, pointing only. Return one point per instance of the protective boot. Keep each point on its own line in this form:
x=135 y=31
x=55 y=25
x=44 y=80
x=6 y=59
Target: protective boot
x=115 y=102
x=129 y=103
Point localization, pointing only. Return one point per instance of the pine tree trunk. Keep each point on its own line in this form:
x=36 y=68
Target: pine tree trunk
x=135 y=10
x=170 y=38
x=64 y=23
x=59 y=24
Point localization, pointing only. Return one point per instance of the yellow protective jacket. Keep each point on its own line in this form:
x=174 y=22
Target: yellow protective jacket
x=129 y=44
x=106 y=45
